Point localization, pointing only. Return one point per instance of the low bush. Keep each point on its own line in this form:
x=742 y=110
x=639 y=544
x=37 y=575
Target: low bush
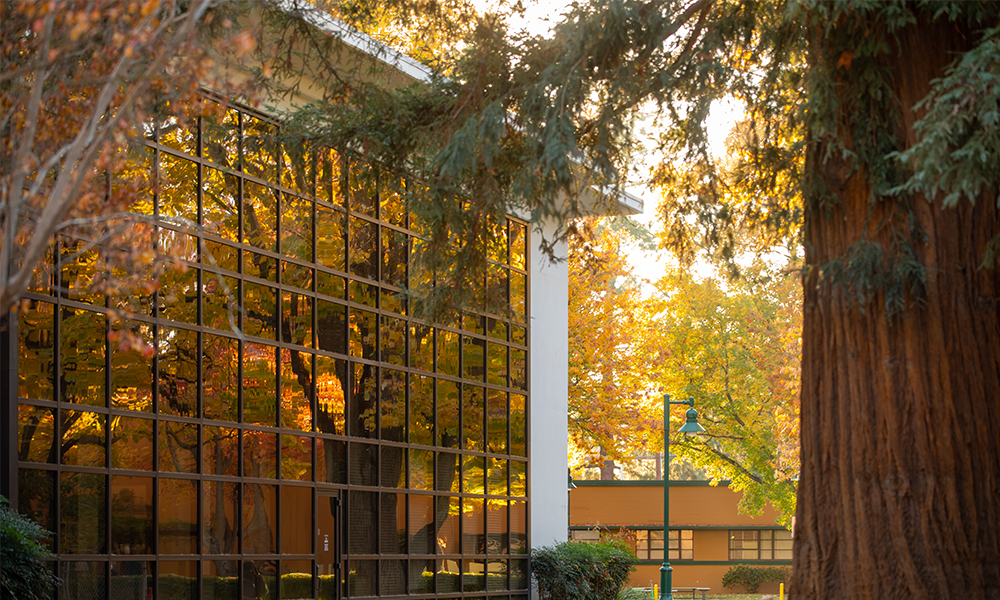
x=23 y=572
x=752 y=576
x=578 y=571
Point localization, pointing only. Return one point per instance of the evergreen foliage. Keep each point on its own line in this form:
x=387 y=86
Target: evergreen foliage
x=752 y=576
x=581 y=571
x=23 y=574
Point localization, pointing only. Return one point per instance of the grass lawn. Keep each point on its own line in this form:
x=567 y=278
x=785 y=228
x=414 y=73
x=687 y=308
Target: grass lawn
x=708 y=596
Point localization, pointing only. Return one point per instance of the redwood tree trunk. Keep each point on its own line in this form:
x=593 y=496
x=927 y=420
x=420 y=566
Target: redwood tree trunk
x=899 y=495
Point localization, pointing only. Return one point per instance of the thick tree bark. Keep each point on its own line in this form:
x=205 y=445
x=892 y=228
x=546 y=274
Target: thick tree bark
x=899 y=495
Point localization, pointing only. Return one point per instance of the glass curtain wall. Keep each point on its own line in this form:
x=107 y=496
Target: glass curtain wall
x=280 y=369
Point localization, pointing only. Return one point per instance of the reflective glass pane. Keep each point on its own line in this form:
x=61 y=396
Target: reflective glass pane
x=363 y=415
x=421 y=576
x=35 y=360
x=260 y=386
x=178 y=295
x=518 y=527
x=518 y=245
x=473 y=358
x=297 y=579
x=362 y=578
x=364 y=334
x=220 y=205
x=496 y=575
x=497 y=477
x=177 y=357
x=221 y=137
x=364 y=181
x=474 y=474
x=220 y=580
x=178 y=185
x=178 y=447
x=219 y=533
x=331 y=461
x=519 y=335
x=176 y=579
x=296 y=520
x=132 y=443
x=82 y=513
x=421 y=410
x=220 y=256
x=260 y=316
x=393 y=467
x=363 y=248
x=35 y=434
x=421 y=470
x=178 y=519
x=260 y=151
x=297 y=167
x=393 y=406
x=36 y=491
x=497 y=367
x=518 y=369
x=220 y=377
x=448 y=404
x=422 y=347
x=260 y=454
x=260 y=265
x=220 y=451
x=78 y=268
x=331 y=326
x=331 y=238
x=259 y=518
x=473 y=526
x=497 y=244
x=473 y=409
x=393 y=301
x=364 y=293
x=329 y=166
x=392 y=199
x=296 y=275
x=496 y=422
x=82 y=346
x=83 y=441
x=449 y=511
x=362 y=522
x=260 y=212
x=296 y=390
x=220 y=301
x=474 y=323
x=180 y=132
x=496 y=525
x=519 y=575
x=259 y=580
x=518 y=478
x=518 y=295
x=393 y=334
x=393 y=524
x=474 y=576
x=83 y=580
x=331 y=376
x=447 y=472
x=296 y=458
x=447 y=352
x=132 y=366
x=364 y=464
x=518 y=425
x=449 y=576
x=421 y=528
x=394 y=257
x=296 y=227
x=131 y=515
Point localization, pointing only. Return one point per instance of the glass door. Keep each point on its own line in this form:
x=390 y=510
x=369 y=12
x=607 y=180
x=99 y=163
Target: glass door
x=329 y=566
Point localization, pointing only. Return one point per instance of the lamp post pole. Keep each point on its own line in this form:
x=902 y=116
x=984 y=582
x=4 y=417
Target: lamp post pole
x=690 y=427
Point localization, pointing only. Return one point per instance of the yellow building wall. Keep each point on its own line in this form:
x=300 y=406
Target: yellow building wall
x=619 y=504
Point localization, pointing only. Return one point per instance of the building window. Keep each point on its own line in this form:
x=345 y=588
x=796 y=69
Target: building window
x=760 y=544
x=649 y=544
x=287 y=388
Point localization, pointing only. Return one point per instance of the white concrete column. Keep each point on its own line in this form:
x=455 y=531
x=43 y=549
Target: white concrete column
x=549 y=377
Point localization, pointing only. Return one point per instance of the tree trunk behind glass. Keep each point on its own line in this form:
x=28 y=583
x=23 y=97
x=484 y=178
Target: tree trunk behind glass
x=900 y=489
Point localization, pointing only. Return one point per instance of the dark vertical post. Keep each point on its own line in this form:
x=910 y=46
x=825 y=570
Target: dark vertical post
x=666 y=571
x=8 y=407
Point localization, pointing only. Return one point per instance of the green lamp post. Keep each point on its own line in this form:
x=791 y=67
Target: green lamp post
x=690 y=427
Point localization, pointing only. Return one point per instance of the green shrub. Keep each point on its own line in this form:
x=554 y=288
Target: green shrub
x=752 y=576
x=576 y=571
x=23 y=572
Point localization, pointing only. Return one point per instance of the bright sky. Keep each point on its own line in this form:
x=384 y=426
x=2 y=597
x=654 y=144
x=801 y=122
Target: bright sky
x=539 y=17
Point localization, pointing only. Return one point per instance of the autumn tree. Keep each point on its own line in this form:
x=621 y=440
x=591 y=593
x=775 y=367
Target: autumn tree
x=870 y=137
x=614 y=347
x=735 y=348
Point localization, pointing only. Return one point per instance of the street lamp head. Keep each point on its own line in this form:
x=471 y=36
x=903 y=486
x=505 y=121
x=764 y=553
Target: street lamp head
x=691 y=426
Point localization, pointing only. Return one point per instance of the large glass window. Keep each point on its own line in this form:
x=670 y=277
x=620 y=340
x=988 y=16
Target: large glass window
x=279 y=366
